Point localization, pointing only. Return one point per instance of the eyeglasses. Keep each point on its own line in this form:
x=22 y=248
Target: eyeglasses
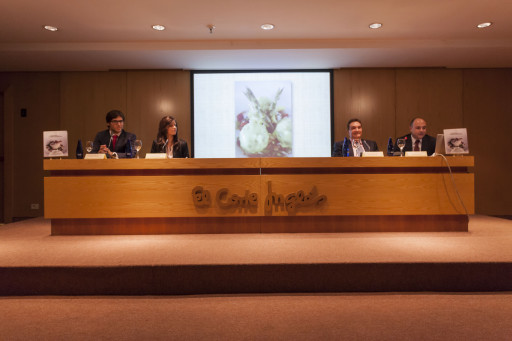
x=117 y=121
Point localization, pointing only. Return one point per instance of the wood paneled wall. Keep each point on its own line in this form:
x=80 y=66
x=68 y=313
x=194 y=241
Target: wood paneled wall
x=143 y=96
x=434 y=94
x=2 y=157
x=387 y=99
x=368 y=95
x=154 y=94
x=487 y=107
x=384 y=99
x=85 y=99
x=39 y=94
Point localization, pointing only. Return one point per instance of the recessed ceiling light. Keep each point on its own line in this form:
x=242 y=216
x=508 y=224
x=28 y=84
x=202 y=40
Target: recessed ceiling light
x=375 y=25
x=158 y=27
x=484 y=25
x=50 y=28
x=267 y=27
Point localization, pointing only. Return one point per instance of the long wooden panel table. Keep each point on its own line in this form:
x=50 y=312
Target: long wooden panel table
x=147 y=196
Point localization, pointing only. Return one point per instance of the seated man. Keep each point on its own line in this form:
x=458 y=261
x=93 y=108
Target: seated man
x=418 y=140
x=358 y=145
x=113 y=140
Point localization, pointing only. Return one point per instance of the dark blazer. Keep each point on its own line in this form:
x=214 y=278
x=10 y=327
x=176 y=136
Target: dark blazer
x=181 y=152
x=103 y=137
x=428 y=144
x=368 y=145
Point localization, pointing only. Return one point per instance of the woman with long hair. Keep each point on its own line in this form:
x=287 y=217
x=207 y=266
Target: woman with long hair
x=167 y=140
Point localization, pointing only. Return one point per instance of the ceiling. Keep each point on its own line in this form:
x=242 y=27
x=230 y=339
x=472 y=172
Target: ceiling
x=117 y=34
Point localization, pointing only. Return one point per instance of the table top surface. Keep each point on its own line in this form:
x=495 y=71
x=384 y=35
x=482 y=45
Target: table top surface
x=265 y=163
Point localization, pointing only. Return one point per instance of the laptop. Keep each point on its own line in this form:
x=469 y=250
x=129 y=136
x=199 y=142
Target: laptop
x=439 y=145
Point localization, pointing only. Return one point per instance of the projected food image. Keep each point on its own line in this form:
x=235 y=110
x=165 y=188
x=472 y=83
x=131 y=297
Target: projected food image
x=263 y=119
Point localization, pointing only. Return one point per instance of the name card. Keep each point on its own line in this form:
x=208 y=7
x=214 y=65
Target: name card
x=95 y=156
x=373 y=154
x=416 y=154
x=156 y=156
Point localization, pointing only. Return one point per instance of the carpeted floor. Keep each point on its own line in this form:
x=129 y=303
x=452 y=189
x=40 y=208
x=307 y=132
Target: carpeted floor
x=478 y=316
x=323 y=316
x=28 y=243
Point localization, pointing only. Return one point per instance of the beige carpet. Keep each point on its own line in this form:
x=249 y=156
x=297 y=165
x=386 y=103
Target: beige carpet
x=28 y=243
x=257 y=317
x=386 y=316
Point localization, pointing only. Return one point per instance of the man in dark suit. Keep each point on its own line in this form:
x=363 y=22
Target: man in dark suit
x=357 y=144
x=113 y=140
x=418 y=140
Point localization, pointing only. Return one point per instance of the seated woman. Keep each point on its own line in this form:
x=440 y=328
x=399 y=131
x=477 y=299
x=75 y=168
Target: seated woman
x=167 y=140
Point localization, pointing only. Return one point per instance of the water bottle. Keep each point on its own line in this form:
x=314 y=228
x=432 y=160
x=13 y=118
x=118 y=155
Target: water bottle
x=128 y=150
x=79 y=150
x=346 y=146
x=390 y=147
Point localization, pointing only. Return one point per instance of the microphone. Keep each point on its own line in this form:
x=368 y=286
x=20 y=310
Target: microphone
x=165 y=144
x=366 y=144
x=110 y=141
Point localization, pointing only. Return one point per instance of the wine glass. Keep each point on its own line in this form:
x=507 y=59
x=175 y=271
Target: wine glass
x=356 y=144
x=138 y=145
x=88 y=146
x=401 y=144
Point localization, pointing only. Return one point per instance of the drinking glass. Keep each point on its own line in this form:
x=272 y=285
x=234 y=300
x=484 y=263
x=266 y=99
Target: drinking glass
x=138 y=145
x=401 y=144
x=88 y=146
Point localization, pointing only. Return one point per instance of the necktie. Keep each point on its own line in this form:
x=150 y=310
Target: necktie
x=417 y=145
x=114 y=140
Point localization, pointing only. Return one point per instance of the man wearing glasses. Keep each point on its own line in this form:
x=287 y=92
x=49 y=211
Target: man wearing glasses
x=113 y=140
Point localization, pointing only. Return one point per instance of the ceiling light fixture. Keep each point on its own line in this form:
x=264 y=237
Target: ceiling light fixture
x=158 y=27
x=484 y=25
x=50 y=28
x=375 y=25
x=267 y=27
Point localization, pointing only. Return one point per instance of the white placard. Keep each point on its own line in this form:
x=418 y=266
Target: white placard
x=55 y=143
x=156 y=156
x=373 y=154
x=416 y=154
x=99 y=156
x=456 y=141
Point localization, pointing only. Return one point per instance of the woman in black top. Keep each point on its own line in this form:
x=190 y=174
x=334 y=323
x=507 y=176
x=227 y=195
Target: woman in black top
x=167 y=140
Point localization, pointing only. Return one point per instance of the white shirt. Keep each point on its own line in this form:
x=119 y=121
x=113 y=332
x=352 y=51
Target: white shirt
x=112 y=133
x=357 y=151
x=169 y=151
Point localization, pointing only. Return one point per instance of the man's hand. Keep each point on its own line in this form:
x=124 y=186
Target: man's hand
x=104 y=150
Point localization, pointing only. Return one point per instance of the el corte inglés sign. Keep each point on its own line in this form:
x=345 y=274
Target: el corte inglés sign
x=292 y=202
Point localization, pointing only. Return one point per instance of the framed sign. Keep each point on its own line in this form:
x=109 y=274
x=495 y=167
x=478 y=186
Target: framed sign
x=55 y=143
x=456 y=141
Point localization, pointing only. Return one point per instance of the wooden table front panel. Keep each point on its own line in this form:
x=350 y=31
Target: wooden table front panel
x=171 y=196
x=142 y=196
x=378 y=194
